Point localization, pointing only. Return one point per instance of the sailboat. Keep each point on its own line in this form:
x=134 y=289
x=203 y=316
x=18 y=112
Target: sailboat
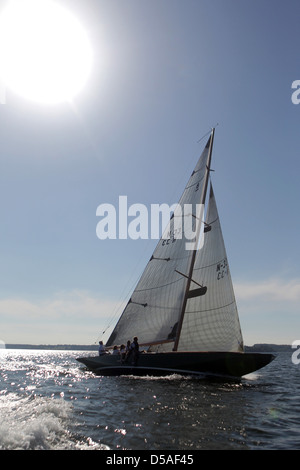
x=183 y=308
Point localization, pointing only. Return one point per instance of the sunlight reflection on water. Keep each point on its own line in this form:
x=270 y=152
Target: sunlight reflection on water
x=54 y=403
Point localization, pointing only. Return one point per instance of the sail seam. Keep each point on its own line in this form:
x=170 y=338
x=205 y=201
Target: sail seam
x=158 y=287
x=209 y=265
x=210 y=309
x=194 y=184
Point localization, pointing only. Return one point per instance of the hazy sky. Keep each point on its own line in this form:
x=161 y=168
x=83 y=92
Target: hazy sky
x=164 y=73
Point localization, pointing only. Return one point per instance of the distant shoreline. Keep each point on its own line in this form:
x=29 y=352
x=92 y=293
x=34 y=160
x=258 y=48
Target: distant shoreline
x=262 y=347
x=60 y=347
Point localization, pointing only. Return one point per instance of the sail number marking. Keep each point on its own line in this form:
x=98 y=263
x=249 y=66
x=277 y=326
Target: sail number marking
x=222 y=269
x=172 y=236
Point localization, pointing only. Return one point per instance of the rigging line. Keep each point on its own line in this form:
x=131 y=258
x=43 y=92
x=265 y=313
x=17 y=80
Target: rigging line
x=182 y=176
x=212 y=222
x=158 y=287
x=203 y=137
x=184 y=275
x=207 y=133
x=119 y=305
x=122 y=298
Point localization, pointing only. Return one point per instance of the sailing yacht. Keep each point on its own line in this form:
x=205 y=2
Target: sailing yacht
x=183 y=308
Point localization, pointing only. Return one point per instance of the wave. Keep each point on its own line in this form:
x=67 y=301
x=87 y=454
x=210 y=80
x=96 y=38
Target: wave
x=39 y=423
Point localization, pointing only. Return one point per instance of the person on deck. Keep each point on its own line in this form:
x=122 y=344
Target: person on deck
x=123 y=352
x=135 y=350
x=101 y=349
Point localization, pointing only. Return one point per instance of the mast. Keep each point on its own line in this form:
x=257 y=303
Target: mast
x=202 y=201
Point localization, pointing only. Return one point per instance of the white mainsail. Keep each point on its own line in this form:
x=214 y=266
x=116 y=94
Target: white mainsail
x=155 y=306
x=169 y=306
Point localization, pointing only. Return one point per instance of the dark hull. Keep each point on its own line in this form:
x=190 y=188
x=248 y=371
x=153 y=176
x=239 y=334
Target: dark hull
x=229 y=364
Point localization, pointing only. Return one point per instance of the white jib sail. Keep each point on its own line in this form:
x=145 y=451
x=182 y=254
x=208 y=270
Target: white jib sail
x=211 y=321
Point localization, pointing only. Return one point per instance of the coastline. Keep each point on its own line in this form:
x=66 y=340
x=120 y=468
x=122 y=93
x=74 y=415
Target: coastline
x=261 y=347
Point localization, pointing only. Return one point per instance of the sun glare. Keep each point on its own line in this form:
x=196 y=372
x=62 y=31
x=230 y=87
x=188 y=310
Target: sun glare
x=45 y=54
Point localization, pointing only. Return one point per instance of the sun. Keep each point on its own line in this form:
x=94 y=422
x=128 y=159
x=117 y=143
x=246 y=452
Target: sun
x=45 y=54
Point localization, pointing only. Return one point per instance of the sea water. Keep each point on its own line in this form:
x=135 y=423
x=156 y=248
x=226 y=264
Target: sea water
x=48 y=401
